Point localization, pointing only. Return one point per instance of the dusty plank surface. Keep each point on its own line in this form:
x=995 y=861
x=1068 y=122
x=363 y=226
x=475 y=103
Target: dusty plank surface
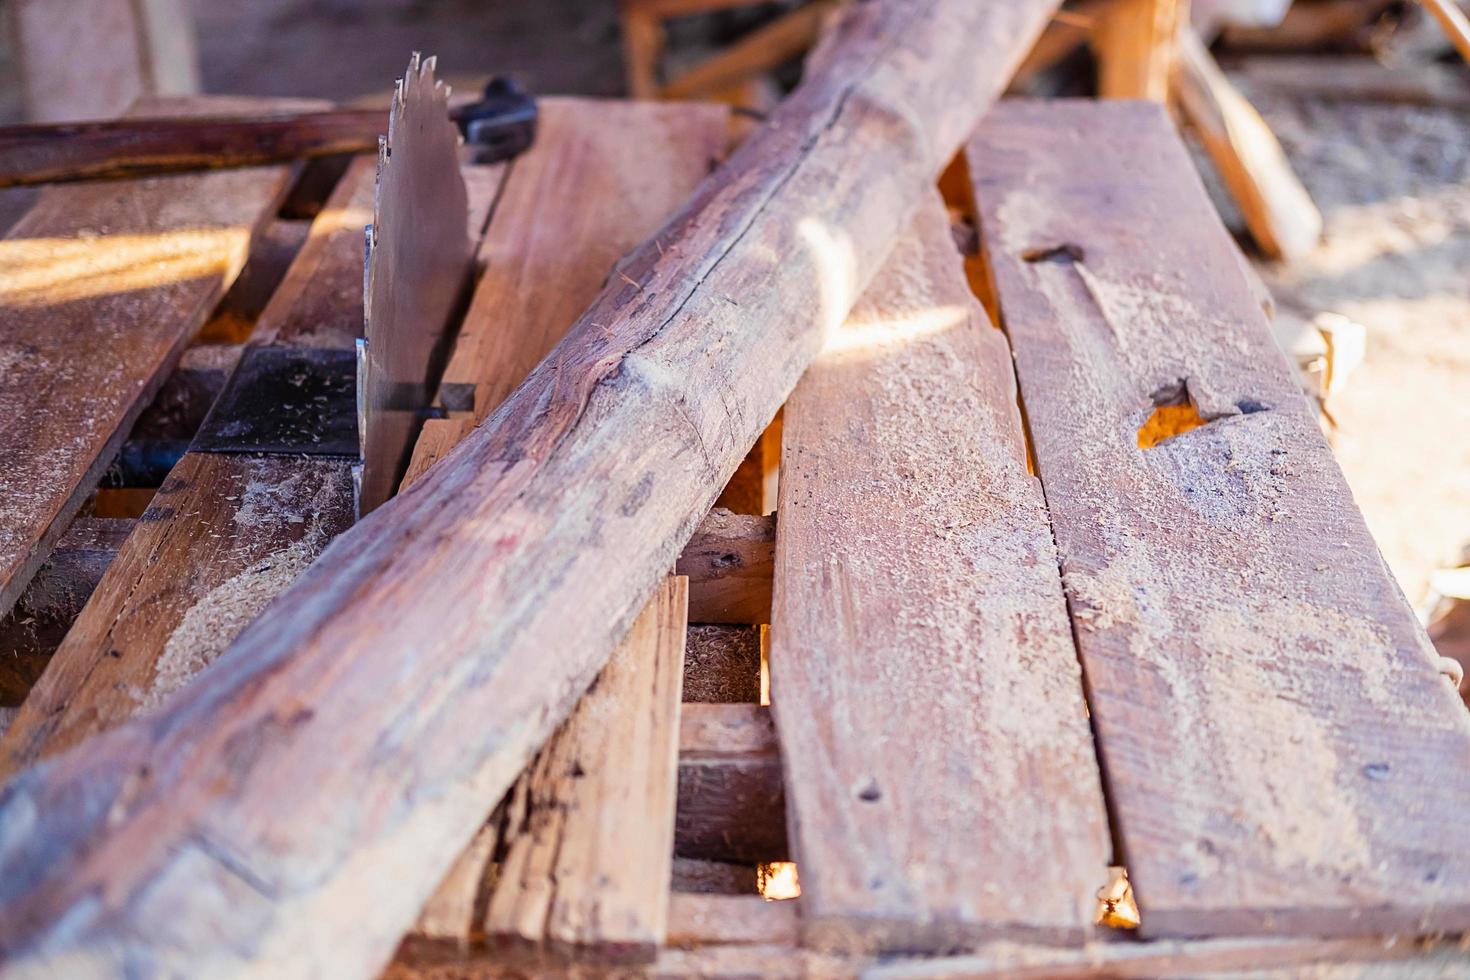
x=600 y=179
x=222 y=537
x=132 y=268
x=1280 y=751
x=430 y=650
x=730 y=561
x=587 y=863
x=941 y=781
x=700 y=920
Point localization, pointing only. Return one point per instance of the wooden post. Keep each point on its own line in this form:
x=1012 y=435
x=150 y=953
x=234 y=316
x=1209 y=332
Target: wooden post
x=1135 y=45
x=291 y=810
x=91 y=59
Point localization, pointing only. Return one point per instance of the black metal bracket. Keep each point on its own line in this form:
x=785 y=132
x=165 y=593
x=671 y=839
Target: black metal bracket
x=286 y=401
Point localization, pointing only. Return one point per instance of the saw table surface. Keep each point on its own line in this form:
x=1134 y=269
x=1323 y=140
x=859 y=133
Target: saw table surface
x=987 y=617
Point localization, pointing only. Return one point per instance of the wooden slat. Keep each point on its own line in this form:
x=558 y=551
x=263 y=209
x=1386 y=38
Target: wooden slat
x=729 y=562
x=702 y=920
x=601 y=178
x=731 y=794
x=398 y=687
x=941 y=779
x=35 y=627
x=587 y=870
x=131 y=269
x=223 y=535
x=1280 y=749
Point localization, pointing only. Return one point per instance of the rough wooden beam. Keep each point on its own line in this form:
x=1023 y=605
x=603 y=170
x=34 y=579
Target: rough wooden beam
x=1135 y=45
x=731 y=791
x=393 y=694
x=729 y=561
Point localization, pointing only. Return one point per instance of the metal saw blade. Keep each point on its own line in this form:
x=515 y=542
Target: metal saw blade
x=419 y=255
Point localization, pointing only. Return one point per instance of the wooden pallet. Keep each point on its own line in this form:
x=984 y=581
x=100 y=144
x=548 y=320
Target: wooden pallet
x=1082 y=592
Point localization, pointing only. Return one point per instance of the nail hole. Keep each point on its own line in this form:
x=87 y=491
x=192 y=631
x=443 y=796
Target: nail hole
x=1064 y=254
x=1249 y=406
x=870 y=793
x=1173 y=414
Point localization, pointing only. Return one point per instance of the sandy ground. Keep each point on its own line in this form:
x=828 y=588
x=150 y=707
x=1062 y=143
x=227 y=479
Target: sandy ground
x=1393 y=184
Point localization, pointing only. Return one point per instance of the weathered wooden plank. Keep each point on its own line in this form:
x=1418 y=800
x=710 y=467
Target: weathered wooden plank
x=132 y=268
x=587 y=870
x=223 y=535
x=30 y=633
x=729 y=562
x=436 y=645
x=916 y=593
x=1281 y=752
x=703 y=920
x=731 y=795
x=545 y=259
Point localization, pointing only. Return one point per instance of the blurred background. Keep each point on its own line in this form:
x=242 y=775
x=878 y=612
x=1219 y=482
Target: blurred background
x=1369 y=100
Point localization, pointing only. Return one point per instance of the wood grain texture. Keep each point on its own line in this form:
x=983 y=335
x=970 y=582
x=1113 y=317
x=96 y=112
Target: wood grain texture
x=434 y=646
x=731 y=795
x=627 y=166
x=702 y=920
x=222 y=536
x=941 y=783
x=132 y=269
x=729 y=561
x=33 y=630
x=1135 y=43
x=1280 y=751
x=588 y=859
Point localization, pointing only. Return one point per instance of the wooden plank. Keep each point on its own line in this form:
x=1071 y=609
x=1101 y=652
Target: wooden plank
x=35 y=627
x=545 y=258
x=916 y=592
x=731 y=794
x=437 y=644
x=729 y=562
x=132 y=268
x=703 y=920
x=1280 y=749
x=1277 y=210
x=223 y=535
x=587 y=871
x=1135 y=43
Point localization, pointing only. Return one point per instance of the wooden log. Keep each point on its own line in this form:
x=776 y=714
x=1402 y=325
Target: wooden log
x=120 y=148
x=1278 y=211
x=1282 y=754
x=544 y=260
x=587 y=859
x=435 y=646
x=916 y=593
x=130 y=268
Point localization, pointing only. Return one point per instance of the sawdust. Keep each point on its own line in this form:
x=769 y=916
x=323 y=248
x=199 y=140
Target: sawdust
x=211 y=624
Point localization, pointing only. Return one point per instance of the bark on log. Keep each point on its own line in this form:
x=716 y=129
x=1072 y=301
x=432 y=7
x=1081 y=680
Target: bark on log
x=290 y=812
